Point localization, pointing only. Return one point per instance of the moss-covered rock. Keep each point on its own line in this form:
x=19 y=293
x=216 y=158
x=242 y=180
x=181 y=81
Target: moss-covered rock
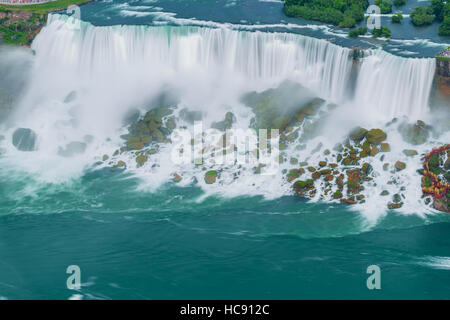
x=301 y=187
x=293 y=174
x=385 y=147
x=374 y=151
x=410 y=153
x=358 y=134
x=141 y=160
x=399 y=165
x=376 y=136
x=210 y=176
x=337 y=194
x=176 y=178
x=273 y=111
x=415 y=134
x=121 y=164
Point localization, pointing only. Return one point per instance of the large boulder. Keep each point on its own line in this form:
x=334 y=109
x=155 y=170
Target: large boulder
x=358 y=134
x=376 y=136
x=24 y=139
x=415 y=134
x=278 y=108
x=210 y=176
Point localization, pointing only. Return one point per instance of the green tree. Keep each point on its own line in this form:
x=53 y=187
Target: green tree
x=354 y=33
x=444 y=28
x=399 y=3
x=381 y=32
x=420 y=16
x=385 y=6
x=397 y=18
x=437 y=7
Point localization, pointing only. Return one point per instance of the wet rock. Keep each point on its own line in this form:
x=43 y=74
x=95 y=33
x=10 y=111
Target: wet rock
x=384 y=193
x=374 y=151
x=293 y=174
x=385 y=147
x=141 y=160
x=121 y=164
x=358 y=134
x=399 y=165
x=273 y=111
x=105 y=157
x=393 y=206
x=24 y=139
x=366 y=168
x=301 y=188
x=157 y=135
x=416 y=134
x=376 y=136
x=316 y=175
x=176 y=178
x=350 y=200
x=410 y=153
x=396 y=198
x=210 y=176
x=337 y=194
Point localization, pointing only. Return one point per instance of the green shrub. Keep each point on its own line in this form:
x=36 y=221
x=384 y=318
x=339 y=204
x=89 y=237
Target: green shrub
x=397 y=18
x=343 y=13
x=444 y=28
x=383 y=32
x=354 y=33
x=385 y=6
x=421 y=16
x=399 y=3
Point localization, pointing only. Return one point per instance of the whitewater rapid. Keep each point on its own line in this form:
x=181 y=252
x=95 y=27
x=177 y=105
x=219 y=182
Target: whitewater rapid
x=116 y=69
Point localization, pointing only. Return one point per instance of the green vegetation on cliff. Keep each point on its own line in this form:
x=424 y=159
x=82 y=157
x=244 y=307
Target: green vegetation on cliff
x=44 y=8
x=343 y=13
x=20 y=27
x=20 y=23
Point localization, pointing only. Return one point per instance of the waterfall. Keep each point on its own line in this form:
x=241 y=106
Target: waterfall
x=317 y=64
x=394 y=86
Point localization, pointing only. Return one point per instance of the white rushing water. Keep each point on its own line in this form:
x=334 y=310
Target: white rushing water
x=114 y=69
